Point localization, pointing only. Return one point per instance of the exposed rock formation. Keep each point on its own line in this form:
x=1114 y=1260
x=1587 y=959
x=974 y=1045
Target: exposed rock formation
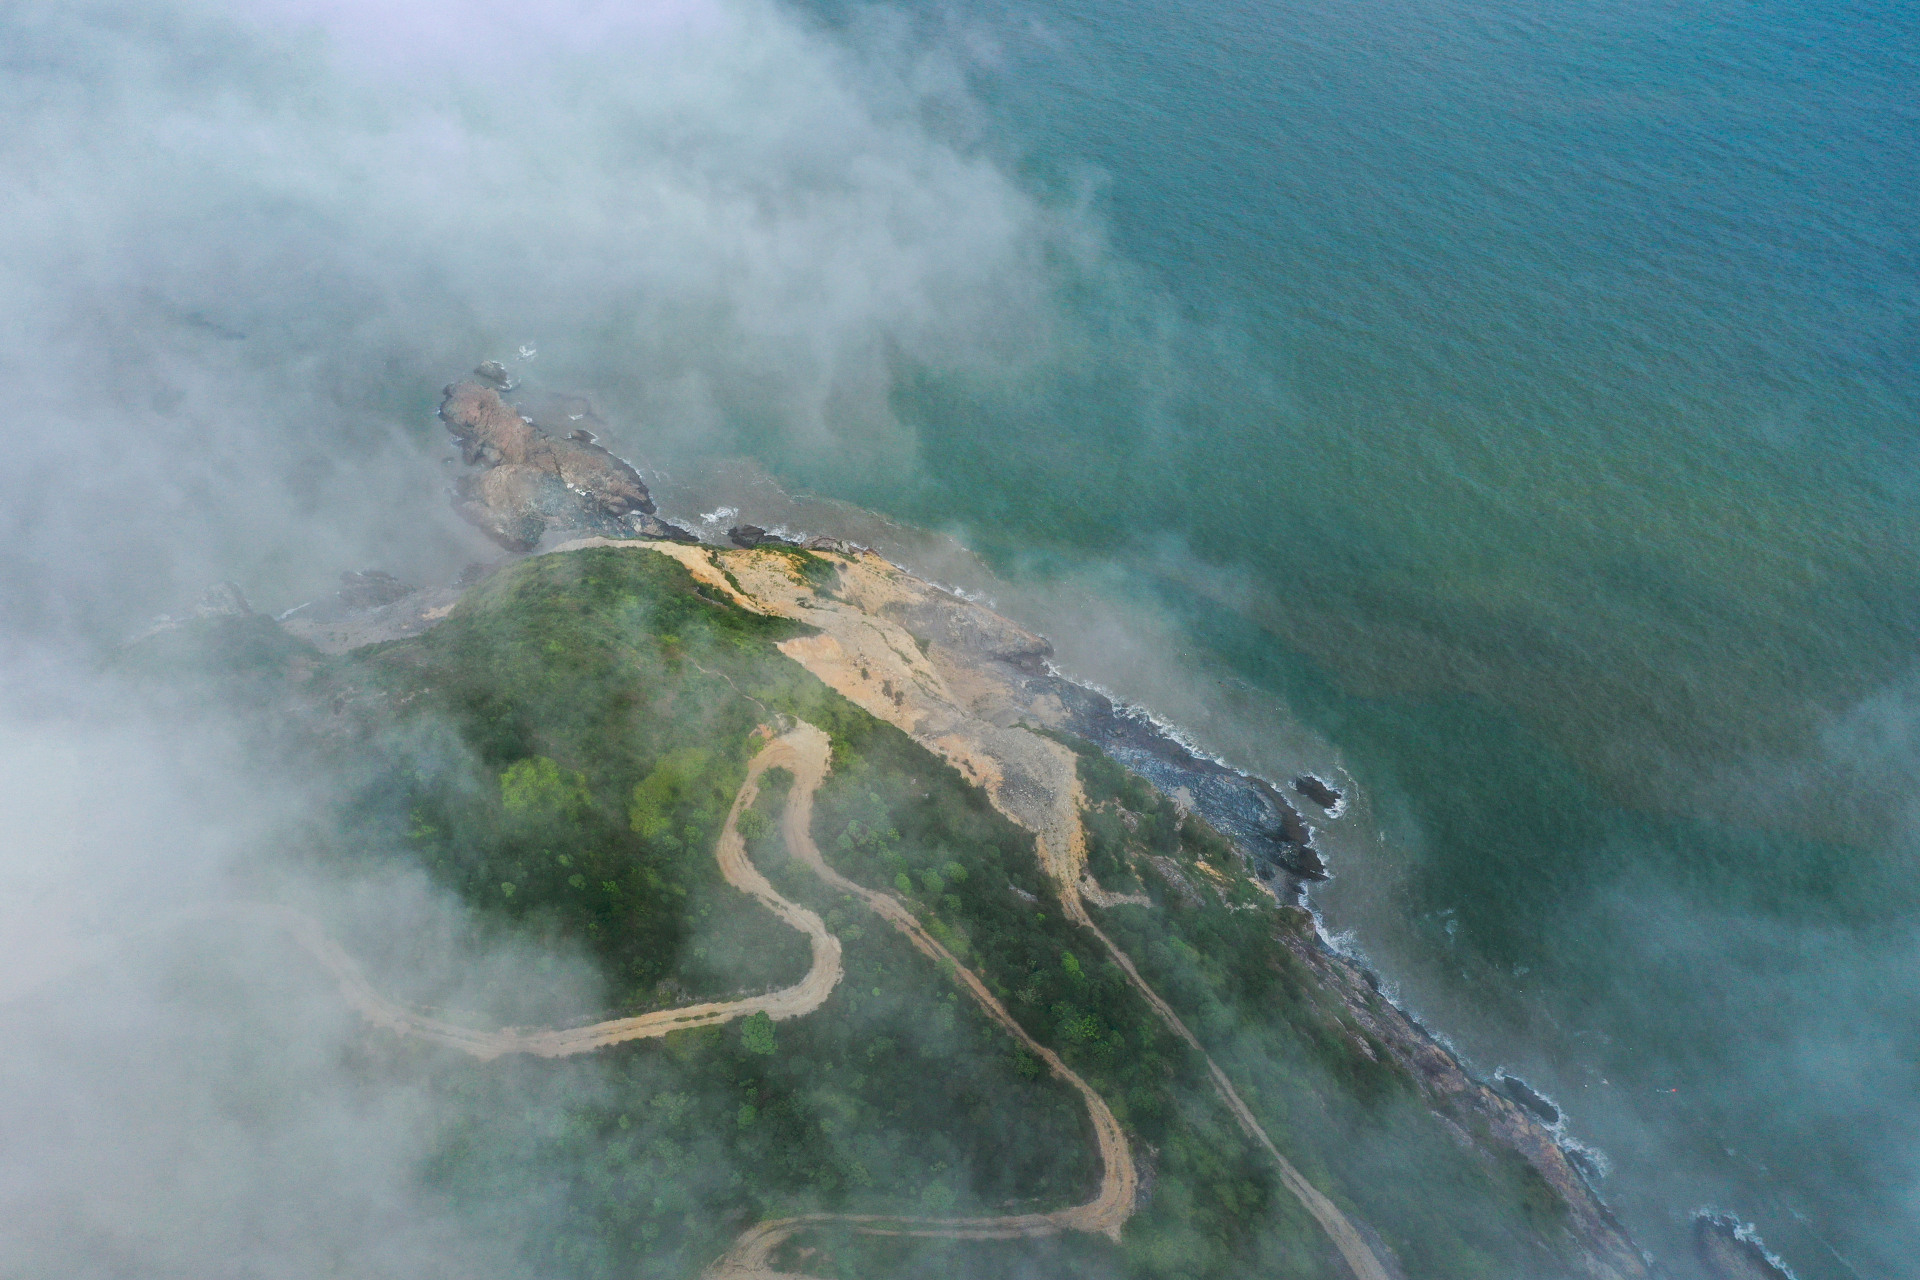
x=1518 y=1090
x=532 y=482
x=370 y=606
x=221 y=600
x=1470 y=1104
x=752 y=535
x=495 y=374
x=371 y=588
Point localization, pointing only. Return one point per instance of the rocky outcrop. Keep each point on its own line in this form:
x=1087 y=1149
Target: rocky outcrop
x=371 y=588
x=1275 y=836
x=221 y=600
x=1729 y=1250
x=749 y=536
x=532 y=481
x=1519 y=1091
x=1606 y=1251
x=495 y=374
x=1320 y=791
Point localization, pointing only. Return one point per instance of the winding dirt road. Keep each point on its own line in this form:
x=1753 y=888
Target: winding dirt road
x=1112 y=1204
x=969 y=714
x=1352 y=1246
x=803 y=997
x=804 y=751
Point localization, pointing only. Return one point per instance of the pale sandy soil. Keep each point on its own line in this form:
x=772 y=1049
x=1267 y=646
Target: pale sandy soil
x=969 y=713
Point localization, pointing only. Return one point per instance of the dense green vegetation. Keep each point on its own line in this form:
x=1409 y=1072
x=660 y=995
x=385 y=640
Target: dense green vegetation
x=561 y=753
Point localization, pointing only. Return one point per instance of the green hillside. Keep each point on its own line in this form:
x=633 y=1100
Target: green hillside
x=561 y=753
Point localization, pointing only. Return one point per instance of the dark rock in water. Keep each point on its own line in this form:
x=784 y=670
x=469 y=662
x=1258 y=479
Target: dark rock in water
x=492 y=371
x=1729 y=1251
x=1583 y=1160
x=1305 y=861
x=649 y=526
x=752 y=535
x=1522 y=1094
x=371 y=588
x=1317 y=790
x=1293 y=827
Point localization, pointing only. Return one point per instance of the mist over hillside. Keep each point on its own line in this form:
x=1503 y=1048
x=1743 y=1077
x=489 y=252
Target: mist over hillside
x=1627 y=735
x=244 y=247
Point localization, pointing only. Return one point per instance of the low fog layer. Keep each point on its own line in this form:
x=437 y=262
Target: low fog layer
x=184 y=1091
x=245 y=246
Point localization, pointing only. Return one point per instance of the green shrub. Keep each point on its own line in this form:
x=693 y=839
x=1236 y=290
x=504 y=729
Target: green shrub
x=756 y=1034
x=539 y=787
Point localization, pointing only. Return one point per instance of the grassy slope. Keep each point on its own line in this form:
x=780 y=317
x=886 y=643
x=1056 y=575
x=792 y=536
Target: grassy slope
x=561 y=751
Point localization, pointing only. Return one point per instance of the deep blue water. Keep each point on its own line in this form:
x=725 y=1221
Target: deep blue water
x=1530 y=398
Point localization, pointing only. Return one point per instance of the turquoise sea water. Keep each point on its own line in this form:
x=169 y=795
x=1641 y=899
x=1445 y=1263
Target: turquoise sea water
x=1525 y=398
x=1533 y=404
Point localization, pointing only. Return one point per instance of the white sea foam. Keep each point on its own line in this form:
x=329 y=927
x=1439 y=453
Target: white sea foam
x=1747 y=1233
x=971 y=597
x=1558 y=1127
x=1345 y=944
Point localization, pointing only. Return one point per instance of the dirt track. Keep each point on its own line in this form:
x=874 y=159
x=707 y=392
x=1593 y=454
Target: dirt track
x=801 y=998
x=1354 y=1250
x=1111 y=1205
x=804 y=751
x=969 y=714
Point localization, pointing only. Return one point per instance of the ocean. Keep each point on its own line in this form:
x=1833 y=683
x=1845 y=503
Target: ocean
x=1523 y=403
x=1512 y=411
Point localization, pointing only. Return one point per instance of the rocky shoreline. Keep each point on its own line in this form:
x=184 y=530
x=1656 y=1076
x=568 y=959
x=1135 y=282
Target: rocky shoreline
x=539 y=475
